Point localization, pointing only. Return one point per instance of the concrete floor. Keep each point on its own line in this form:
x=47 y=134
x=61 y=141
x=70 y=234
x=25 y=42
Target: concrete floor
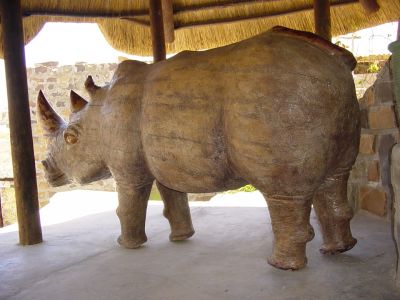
x=225 y=259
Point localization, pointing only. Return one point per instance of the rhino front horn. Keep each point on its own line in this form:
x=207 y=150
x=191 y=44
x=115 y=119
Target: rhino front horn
x=77 y=102
x=47 y=117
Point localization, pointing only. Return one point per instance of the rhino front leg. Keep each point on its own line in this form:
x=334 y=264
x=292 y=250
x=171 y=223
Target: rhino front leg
x=290 y=218
x=334 y=214
x=176 y=210
x=131 y=212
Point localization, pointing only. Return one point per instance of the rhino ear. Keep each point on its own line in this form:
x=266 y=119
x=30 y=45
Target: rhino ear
x=48 y=118
x=77 y=102
x=90 y=86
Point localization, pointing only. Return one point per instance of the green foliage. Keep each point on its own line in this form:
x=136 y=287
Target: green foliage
x=373 y=68
x=247 y=188
x=155 y=194
x=340 y=44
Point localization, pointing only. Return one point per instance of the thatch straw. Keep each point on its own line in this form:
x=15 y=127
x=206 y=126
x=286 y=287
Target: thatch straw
x=31 y=28
x=131 y=37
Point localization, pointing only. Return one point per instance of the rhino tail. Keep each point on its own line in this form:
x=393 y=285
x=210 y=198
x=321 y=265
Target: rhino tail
x=341 y=54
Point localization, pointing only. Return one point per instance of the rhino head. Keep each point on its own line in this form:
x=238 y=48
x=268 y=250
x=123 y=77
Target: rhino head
x=73 y=152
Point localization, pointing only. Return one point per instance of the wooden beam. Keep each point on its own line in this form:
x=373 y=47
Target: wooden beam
x=137 y=21
x=322 y=19
x=216 y=5
x=26 y=192
x=157 y=30
x=168 y=19
x=256 y=16
x=138 y=12
x=370 y=6
x=85 y=14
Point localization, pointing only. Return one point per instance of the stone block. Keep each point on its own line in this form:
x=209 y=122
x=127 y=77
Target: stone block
x=8 y=205
x=41 y=69
x=364 y=118
x=367 y=143
x=358 y=172
x=384 y=92
x=384 y=145
x=51 y=64
x=368 y=99
x=395 y=175
x=382 y=117
x=43 y=185
x=352 y=195
x=60 y=104
x=112 y=67
x=80 y=67
x=373 y=173
x=373 y=200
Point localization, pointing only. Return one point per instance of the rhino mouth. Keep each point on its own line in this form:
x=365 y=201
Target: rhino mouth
x=54 y=176
x=59 y=180
x=100 y=175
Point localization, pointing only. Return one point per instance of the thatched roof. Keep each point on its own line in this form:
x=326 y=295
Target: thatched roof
x=200 y=24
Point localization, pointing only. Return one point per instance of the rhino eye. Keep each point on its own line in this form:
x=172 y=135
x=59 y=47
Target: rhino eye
x=70 y=138
x=71 y=134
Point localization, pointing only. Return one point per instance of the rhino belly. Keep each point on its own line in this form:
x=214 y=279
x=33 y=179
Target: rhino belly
x=185 y=148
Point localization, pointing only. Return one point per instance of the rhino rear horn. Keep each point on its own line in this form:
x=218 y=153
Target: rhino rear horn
x=77 y=102
x=90 y=86
x=48 y=118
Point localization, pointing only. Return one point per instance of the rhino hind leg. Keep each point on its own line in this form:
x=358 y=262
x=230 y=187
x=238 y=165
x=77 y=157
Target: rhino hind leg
x=334 y=214
x=290 y=218
x=177 y=212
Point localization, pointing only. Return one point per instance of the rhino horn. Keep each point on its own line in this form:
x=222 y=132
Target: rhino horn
x=90 y=86
x=48 y=118
x=77 y=102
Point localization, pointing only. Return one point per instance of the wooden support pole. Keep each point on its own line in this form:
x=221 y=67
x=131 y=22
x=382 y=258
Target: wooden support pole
x=394 y=47
x=168 y=20
x=26 y=192
x=398 y=30
x=1 y=214
x=322 y=19
x=157 y=30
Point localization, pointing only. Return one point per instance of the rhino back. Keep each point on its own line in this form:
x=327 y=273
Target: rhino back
x=263 y=111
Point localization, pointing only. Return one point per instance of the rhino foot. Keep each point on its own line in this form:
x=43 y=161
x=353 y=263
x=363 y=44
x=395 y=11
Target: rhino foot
x=131 y=243
x=176 y=237
x=332 y=249
x=287 y=264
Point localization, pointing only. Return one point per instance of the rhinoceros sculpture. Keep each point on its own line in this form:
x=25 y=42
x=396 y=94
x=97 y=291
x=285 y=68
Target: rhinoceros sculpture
x=278 y=111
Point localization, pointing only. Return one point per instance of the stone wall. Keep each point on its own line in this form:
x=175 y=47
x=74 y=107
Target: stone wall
x=56 y=82
x=369 y=185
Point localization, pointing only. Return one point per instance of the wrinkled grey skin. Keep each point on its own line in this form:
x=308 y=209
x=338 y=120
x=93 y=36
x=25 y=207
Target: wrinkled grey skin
x=278 y=111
